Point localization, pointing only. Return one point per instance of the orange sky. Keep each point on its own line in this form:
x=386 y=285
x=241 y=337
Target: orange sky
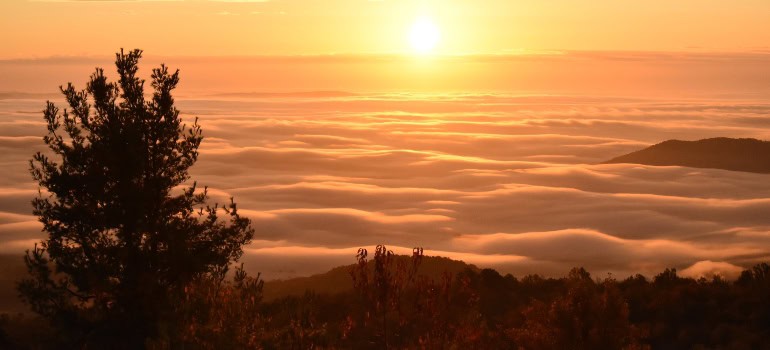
x=596 y=73
x=607 y=47
x=44 y=28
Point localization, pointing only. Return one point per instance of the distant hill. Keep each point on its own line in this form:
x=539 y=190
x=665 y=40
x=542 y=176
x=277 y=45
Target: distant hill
x=338 y=279
x=749 y=155
x=11 y=271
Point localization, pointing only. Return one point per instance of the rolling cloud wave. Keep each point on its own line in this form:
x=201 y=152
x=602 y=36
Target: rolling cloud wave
x=499 y=180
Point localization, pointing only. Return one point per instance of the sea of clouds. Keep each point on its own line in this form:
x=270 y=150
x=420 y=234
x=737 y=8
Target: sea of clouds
x=510 y=181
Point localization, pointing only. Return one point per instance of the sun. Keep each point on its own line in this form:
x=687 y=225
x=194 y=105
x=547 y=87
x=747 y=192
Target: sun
x=424 y=35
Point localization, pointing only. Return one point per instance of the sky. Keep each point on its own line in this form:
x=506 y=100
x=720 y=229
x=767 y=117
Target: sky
x=42 y=28
x=333 y=131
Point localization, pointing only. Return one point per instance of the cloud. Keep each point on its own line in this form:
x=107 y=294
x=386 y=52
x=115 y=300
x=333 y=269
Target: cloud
x=577 y=246
x=368 y=216
x=511 y=181
x=709 y=269
x=539 y=56
x=14 y=234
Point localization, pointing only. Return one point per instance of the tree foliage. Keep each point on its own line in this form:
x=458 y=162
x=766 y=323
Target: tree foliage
x=125 y=233
x=473 y=309
x=587 y=316
x=217 y=313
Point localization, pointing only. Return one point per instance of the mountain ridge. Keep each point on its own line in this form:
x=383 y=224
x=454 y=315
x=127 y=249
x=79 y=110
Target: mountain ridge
x=338 y=279
x=734 y=154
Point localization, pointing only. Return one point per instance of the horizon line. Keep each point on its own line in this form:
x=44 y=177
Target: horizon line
x=371 y=57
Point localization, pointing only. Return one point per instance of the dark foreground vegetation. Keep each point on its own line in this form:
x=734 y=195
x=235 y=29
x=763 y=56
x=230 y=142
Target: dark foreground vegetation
x=136 y=258
x=391 y=306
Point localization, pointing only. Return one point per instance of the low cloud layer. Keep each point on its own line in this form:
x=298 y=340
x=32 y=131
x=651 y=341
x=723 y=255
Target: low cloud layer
x=507 y=181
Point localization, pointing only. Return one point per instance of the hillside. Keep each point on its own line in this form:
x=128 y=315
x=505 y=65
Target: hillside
x=334 y=281
x=748 y=155
x=13 y=269
x=338 y=279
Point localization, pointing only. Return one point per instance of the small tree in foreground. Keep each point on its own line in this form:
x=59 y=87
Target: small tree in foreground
x=382 y=287
x=124 y=236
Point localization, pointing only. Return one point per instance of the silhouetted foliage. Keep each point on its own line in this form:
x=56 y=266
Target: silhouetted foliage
x=125 y=237
x=473 y=309
x=588 y=316
x=382 y=290
x=482 y=309
x=216 y=313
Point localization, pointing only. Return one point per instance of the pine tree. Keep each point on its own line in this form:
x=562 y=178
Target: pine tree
x=126 y=234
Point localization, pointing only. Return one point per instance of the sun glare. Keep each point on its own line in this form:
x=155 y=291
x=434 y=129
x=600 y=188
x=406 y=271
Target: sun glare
x=424 y=35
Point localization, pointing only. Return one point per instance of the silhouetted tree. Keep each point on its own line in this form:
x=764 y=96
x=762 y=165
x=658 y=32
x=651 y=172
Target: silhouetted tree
x=382 y=288
x=587 y=316
x=125 y=236
x=758 y=275
x=454 y=311
x=217 y=313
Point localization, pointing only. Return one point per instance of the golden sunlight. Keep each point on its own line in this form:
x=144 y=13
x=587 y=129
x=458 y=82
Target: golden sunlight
x=475 y=174
x=424 y=35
